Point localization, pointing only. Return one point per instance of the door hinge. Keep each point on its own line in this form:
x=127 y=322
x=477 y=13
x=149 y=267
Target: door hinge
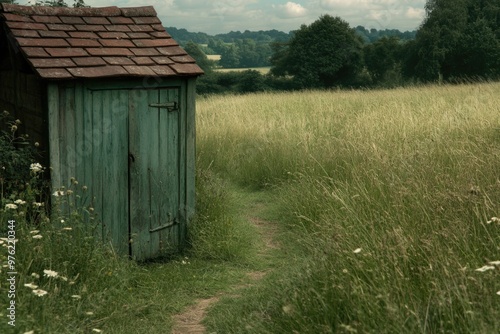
x=170 y=106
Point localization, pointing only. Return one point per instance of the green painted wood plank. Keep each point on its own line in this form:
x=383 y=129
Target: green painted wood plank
x=169 y=143
x=183 y=164
x=139 y=176
x=190 y=149
x=54 y=143
x=87 y=147
x=96 y=187
x=115 y=168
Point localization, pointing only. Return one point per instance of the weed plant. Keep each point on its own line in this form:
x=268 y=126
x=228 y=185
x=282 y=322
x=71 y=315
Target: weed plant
x=68 y=281
x=392 y=198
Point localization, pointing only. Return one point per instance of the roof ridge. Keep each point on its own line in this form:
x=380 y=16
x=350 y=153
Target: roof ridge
x=81 y=11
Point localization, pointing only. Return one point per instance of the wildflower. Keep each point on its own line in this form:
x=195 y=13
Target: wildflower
x=91 y=209
x=65 y=279
x=67 y=228
x=498 y=293
x=38 y=236
x=58 y=193
x=287 y=309
x=18 y=121
x=69 y=192
x=19 y=202
x=30 y=332
x=36 y=167
x=50 y=273
x=76 y=297
x=32 y=286
x=37 y=204
x=62 y=221
x=40 y=292
x=35 y=275
x=494 y=263
x=6 y=113
x=89 y=313
x=84 y=188
x=485 y=268
x=96 y=330
x=357 y=250
x=37 y=144
x=493 y=220
x=13 y=128
x=34 y=231
x=10 y=206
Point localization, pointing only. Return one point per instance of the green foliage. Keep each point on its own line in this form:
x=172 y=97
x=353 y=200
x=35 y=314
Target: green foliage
x=16 y=155
x=383 y=60
x=458 y=39
x=324 y=54
x=215 y=234
x=201 y=58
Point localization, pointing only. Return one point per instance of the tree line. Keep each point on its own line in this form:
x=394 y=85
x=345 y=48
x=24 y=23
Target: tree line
x=458 y=40
x=255 y=48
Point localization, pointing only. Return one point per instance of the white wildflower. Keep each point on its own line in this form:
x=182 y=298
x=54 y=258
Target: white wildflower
x=40 y=292
x=30 y=332
x=32 y=286
x=37 y=204
x=493 y=220
x=34 y=231
x=36 y=167
x=494 y=263
x=357 y=250
x=76 y=297
x=19 y=202
x=11 y=206
x=96 y=330
x=38 y=236
x=50 y=273
x=67 y=228
x=485 y=268
x=35 y=275
x=58 y=193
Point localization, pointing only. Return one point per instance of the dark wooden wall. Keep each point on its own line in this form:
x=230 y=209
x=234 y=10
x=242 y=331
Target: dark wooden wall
x=23 y=95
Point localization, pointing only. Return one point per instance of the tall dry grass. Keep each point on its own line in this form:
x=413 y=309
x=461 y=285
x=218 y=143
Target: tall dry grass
x=388 y=194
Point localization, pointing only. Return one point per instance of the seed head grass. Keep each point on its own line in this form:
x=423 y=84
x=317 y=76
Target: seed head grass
x=388 y=196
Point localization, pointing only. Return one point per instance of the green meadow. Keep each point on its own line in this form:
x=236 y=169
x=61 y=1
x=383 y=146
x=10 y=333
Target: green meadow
x=365 y=211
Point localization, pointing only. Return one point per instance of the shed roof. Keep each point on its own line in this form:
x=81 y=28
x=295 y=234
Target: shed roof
x=67 y=43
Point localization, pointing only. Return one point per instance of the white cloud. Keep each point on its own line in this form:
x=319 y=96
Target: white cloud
x=415 y=13
x=291 y=10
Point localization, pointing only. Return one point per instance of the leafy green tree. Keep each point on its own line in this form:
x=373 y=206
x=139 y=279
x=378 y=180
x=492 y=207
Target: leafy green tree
x=458 y=38
x=382 y=58
x=326 y=53
x=230 y=56
x=201 y=58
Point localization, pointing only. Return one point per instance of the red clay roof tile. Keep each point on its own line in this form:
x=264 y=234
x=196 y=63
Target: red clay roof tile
x=53 y=33
x=54 y=73
x=143 y=61
x=97 y=71
x=88 y=61
x=46 y=19
x=53 y=62
x=118 y=60
x=65 y=43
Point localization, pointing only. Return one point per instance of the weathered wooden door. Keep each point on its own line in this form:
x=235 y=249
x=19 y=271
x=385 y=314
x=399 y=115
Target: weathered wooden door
x=154 y=171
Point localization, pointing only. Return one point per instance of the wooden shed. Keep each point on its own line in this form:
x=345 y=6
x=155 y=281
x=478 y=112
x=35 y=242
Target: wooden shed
x=111 y=97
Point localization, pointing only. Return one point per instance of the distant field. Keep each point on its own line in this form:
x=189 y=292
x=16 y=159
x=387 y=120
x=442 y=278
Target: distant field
x=263 y=70
x=214 y=57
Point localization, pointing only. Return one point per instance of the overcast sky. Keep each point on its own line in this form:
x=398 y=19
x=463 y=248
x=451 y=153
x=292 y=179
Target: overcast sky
x=220 y=16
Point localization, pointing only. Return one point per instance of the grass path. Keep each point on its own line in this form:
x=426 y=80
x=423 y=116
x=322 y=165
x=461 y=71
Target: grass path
x=251 y=207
